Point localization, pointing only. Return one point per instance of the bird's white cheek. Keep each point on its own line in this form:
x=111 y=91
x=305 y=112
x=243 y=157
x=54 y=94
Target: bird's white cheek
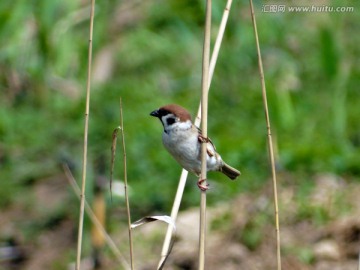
x=184 y=125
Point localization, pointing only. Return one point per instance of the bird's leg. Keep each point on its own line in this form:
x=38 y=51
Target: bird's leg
x=201 y=186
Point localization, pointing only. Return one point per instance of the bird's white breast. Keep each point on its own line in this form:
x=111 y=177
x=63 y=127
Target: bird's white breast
x=182 y=142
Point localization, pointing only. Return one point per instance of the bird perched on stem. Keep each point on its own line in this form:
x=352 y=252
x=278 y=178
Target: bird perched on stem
x=183 y=141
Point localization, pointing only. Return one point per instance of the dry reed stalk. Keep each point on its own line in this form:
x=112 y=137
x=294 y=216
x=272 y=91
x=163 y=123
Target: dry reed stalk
x=204 y=114
x=95 y=220
x=184 y=173
x=174 y=212
x=126 y=190
x=270 y=144
x=86 y=129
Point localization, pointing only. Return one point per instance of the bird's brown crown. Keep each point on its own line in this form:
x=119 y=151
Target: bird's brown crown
x=178 y=111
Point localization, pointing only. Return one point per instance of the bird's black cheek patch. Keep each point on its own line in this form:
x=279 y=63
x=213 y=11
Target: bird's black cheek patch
x=170 y=121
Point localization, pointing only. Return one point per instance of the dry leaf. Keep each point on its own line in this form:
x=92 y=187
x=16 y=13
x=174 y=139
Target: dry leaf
x=149 y=219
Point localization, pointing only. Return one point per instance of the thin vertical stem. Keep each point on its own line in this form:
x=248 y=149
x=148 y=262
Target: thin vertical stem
x=126 y=190
x=215 y=54
x=270 y=144
x=86 y=129
x=204 y=112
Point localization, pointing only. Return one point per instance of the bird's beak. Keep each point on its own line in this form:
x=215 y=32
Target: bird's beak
x=155 y=113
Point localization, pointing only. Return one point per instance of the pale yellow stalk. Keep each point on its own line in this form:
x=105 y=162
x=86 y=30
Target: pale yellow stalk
x=270 y=144
x=86 y=129
x=204 y=113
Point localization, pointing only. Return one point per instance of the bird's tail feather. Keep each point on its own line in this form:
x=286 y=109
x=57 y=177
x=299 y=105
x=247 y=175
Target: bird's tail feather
x=229 y=171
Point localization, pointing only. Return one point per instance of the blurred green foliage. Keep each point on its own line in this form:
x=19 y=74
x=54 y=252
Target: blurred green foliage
x=149 y=53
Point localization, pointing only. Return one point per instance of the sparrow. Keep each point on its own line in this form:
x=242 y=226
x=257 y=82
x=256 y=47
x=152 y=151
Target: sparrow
x=182 y=139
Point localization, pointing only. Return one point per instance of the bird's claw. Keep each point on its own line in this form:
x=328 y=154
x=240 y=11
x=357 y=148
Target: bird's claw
x=201 y=186
x=203 y=139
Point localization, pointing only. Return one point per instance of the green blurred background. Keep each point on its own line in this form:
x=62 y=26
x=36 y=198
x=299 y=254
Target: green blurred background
x=149 y=54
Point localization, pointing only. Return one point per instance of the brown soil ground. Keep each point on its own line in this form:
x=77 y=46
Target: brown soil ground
x=319 y=233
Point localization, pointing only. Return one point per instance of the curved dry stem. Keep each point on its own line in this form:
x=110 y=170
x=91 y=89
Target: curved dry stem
x=95 y=220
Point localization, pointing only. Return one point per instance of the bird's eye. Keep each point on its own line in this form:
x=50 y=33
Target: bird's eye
x=170 y=121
